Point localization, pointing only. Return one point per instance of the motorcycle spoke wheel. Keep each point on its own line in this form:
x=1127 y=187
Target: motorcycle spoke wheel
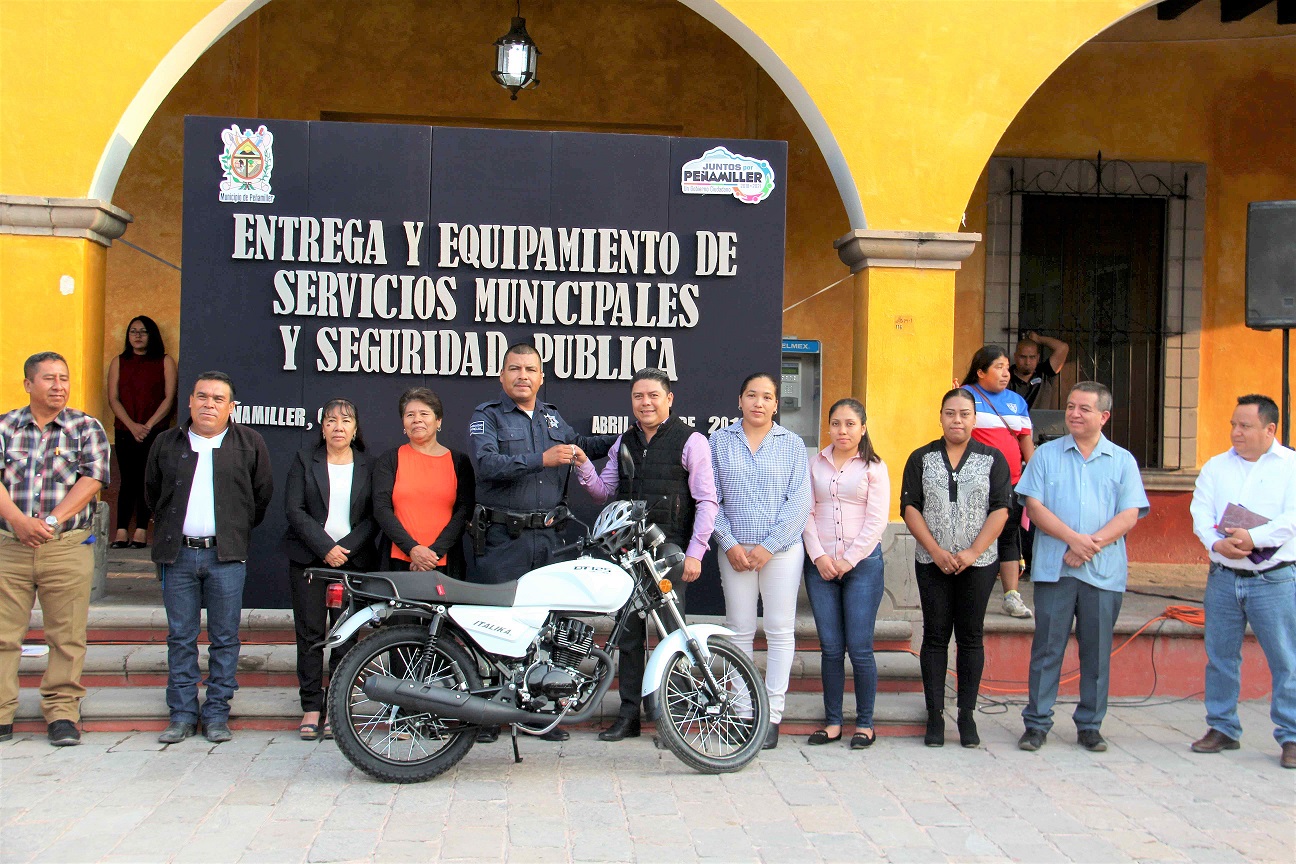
x=709 y=734
x=389 y=742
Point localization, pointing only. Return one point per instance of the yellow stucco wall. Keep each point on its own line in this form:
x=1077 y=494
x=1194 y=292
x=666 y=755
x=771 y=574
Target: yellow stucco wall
x=1184 y=91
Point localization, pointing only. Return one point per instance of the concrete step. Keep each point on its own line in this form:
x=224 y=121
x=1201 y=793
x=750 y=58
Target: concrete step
x=275 y=665
x=143 y=708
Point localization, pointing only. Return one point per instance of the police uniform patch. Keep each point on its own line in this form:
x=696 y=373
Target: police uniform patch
x=477 y=427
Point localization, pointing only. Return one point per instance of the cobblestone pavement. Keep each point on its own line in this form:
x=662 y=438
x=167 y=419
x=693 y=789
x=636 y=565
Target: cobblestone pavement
x=266 y=796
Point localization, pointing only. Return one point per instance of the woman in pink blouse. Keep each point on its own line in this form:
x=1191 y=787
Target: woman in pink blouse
x=843 y=573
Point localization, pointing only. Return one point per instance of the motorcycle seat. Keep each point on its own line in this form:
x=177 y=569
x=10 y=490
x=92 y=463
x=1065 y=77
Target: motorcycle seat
x=432 y=586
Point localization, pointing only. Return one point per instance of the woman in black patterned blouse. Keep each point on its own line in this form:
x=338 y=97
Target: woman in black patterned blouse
x=954 y=497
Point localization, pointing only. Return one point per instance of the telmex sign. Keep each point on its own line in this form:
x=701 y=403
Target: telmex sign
x=356 y=260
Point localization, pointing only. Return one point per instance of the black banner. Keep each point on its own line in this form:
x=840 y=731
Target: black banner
x=357 y=260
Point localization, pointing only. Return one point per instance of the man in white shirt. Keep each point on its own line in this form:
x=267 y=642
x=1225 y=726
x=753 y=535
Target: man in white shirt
x=200 y=548
x=1252 y=573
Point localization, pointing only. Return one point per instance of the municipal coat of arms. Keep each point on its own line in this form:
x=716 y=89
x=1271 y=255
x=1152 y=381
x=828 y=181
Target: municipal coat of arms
x=247 y=162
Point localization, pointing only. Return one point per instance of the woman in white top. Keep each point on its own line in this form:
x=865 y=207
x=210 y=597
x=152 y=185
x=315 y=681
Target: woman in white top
x=329 y=506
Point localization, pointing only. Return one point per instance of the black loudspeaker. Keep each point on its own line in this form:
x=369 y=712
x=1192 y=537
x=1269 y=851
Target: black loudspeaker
x=1271 y=265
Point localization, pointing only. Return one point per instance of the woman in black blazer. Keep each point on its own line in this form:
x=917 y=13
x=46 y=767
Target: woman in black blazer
x=423 y=493
x=329 y=504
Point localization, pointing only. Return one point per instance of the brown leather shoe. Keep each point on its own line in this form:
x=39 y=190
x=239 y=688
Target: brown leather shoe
x=1213 y=742
x=1288 y=758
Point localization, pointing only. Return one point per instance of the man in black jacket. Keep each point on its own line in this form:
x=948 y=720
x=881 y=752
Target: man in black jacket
x=673 y=473
x=208 y=484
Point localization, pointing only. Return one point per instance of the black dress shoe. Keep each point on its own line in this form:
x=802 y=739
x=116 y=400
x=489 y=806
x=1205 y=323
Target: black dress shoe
x=64 y=733
x=819 y=737
x=623 y=727
x=1091 y=740
x=771 y=737
x=119 y=544
x=488 y=735
x=6 y=731
x=556 y=734
x=176 y=732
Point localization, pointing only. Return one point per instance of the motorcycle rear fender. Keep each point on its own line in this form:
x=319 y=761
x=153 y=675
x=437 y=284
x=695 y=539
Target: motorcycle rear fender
x=664 y=654
x=347 y=627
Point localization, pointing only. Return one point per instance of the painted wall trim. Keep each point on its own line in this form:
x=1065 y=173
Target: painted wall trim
x=922 y=250
x=174 y=65
x=786 y=79
x=87 y=218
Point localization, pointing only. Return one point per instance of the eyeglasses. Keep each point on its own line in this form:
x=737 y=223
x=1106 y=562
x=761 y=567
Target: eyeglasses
x=137 y=332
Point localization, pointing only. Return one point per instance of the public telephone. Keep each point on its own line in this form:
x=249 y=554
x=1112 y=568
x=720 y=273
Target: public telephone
x=799 y=400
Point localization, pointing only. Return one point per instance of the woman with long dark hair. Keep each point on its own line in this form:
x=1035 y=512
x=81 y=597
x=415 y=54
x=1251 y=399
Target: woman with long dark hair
x=327 y=499
x=843 y=568
x=764 y=492
x=141 y=393
x=1003 y=422
x=954 y=498
x=423 y=492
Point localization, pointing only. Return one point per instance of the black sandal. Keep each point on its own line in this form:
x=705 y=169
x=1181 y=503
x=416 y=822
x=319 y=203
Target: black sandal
x=309 y=731
x=859 y=740
x=820 y=736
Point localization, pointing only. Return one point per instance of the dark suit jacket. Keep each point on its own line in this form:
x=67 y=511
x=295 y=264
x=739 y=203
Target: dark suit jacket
x=306 y=502
x=241 y=483
x=448 y=544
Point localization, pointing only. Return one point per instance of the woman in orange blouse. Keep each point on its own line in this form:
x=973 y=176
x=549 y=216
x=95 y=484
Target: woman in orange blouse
x=423 y=492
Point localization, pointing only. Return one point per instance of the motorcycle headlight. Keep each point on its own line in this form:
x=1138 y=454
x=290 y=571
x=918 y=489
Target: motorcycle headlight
x=653 y=536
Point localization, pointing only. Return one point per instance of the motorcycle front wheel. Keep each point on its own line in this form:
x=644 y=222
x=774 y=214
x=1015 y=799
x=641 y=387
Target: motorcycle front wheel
x=391 y=743
x=710 y=735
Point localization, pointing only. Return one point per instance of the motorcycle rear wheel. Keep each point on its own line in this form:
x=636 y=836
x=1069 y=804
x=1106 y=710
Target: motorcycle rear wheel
x=708 y=738
x=391 y=743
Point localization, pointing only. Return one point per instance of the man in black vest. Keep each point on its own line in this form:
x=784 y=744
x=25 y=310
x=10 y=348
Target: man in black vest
x=673 y=474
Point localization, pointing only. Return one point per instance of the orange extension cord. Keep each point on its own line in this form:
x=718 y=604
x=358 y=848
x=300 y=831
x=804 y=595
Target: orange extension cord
x=1191 y=615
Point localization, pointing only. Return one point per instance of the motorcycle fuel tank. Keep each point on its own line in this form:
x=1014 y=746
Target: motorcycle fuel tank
x=583 y=585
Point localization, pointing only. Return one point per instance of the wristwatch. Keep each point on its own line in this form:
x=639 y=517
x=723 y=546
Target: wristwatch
x=52 y=522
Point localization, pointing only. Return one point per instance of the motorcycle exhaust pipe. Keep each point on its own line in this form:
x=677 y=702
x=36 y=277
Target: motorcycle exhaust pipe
x=451 y=704
x=457 y=705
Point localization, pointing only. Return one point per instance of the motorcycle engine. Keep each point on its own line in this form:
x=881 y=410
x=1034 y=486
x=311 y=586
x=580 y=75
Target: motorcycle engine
x=561 y=677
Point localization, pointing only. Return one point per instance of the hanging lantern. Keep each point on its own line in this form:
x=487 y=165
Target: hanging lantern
x=515 y=57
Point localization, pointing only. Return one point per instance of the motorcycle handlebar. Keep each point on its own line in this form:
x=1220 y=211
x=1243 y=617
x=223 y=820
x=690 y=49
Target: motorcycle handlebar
x=578 y=546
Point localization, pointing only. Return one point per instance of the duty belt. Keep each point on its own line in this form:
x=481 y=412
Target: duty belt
x=534 y=519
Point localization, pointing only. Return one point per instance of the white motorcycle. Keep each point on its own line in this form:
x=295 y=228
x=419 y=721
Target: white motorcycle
x=408 y=700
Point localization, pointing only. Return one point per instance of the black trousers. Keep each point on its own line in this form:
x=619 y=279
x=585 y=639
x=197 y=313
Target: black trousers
x=132 y=456
x=955 y=604
x=632 y=653
x=312 y=620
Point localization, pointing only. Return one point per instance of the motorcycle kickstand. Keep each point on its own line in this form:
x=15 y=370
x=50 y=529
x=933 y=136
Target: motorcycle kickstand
x=517 y=757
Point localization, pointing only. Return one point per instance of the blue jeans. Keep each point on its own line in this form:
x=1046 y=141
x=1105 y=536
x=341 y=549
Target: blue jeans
x=1268 y=602
x=845 y=612
x=196 y=580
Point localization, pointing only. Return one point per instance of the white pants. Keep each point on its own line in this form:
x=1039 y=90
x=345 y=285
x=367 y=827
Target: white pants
x=777 y=585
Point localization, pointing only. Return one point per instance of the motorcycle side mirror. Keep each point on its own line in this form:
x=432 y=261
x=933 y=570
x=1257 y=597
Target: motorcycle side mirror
x=626 y=461
x=557 y=516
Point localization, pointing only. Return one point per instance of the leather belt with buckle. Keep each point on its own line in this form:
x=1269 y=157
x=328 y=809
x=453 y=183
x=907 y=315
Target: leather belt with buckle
x=521 y=520
x=1247 y=574
x=200 y=542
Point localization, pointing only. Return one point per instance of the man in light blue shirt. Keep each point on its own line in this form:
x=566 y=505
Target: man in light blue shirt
x=1084 y=494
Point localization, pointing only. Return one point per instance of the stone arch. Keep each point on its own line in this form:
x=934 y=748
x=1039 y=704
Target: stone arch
x=230 y=13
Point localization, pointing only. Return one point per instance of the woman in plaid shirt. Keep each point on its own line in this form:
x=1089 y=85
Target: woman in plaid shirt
x=764 y=491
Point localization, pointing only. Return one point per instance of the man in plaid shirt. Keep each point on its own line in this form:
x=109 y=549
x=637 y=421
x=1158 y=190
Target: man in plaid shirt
x=55 y=463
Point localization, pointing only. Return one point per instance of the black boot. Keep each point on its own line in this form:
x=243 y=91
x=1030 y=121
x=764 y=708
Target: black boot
x=935 y=735
x=968 y=736
x=622 y=727
x=771 y=737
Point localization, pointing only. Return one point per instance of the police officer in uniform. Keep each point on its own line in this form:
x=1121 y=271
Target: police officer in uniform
x=522 y=451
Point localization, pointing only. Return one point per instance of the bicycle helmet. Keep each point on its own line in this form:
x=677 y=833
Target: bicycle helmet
x=615 y=526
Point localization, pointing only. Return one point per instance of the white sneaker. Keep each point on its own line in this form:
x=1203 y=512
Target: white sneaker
x=1014 y=605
